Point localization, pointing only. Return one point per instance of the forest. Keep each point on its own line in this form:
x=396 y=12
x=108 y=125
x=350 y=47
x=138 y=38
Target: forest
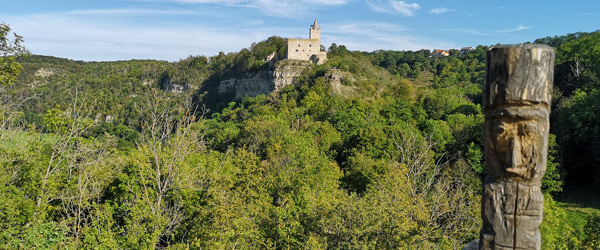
x=102 y=155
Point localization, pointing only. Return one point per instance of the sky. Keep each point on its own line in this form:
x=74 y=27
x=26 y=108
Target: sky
x=110 y=30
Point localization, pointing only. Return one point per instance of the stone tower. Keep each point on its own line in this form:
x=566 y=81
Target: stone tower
x=307 y=49
x=315 y=32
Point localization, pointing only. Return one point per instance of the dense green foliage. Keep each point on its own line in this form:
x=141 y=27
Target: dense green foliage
x=105 y=156
x=10 y=49
x=577 y=103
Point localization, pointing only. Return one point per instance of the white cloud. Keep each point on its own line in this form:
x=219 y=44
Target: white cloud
x=228 y=2
x=393 y=6
x=365 y=29
x=123 y=34
x=490 y=33
x=291 y=8
x=276 y=8
x=79 y=38
x=518 y=28
x=469 y=31
x=251 y=2
x=440 y=10
x=378 y=6
x=326 y=2
x=405 y=8
x=374 y=36
x=131 y=11
x=100 y=39
x=254 y=22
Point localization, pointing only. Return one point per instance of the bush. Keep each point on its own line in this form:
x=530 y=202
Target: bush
x=592 y=233
x=556 y=229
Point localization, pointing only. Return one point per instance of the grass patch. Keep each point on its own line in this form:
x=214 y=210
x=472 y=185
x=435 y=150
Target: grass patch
x=18 y=139
x=570 y=221
x=425 y=79
x=580 y=205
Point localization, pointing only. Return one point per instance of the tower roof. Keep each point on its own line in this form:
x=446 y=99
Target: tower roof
x=315 y=25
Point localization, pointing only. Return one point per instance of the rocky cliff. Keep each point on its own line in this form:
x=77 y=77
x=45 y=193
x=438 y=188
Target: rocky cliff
x=263 y=82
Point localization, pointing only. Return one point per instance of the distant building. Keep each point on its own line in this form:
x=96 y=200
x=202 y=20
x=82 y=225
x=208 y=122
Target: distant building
x=307 y=49
x=440 y=53
x=465 y=50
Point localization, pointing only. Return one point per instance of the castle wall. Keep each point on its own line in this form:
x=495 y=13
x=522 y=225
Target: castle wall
x=307 y=49
x=303 y=49
x=319 y=57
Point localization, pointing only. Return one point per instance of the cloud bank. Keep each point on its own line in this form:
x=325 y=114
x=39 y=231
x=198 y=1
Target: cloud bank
x=276 y=8
x=440 y=10
x=394 y=7
x=124 y=34
x=518 y=28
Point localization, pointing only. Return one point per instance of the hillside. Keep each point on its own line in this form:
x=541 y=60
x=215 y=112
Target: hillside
x=371 y=150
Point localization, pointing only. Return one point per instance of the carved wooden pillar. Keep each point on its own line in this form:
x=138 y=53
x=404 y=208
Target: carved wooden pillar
x=517 y=96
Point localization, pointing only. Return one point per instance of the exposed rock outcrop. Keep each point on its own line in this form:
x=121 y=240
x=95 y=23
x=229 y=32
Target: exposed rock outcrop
x=336 y=77
x=165 y=83
x=41 y=76
x=177 y=87
x=44 y=72
x=266 y=81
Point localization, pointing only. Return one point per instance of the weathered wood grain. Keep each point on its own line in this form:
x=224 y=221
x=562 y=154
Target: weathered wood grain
x=517 y=97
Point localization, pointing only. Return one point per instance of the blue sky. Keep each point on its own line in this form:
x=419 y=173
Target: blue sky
x=106 y=30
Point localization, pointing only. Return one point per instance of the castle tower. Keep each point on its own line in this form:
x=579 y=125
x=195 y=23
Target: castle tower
x=307 y=49
x=315 y=32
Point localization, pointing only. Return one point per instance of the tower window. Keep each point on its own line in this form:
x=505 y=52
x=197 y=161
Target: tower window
x=296 y=50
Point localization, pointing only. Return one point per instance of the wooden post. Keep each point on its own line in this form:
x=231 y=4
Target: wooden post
x=517 y=96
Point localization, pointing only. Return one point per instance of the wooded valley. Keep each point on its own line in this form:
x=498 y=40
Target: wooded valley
x=103 y=155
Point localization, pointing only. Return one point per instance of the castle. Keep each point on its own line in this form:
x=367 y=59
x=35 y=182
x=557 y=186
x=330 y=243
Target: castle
x=307 y=49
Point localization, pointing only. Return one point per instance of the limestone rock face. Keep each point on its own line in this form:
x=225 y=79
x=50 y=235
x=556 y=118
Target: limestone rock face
x=41 y=76
x=261 y=83
x=286 y=74
x=265 y=82
x=44 y=72
x=175 y=87
x=179 y=87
